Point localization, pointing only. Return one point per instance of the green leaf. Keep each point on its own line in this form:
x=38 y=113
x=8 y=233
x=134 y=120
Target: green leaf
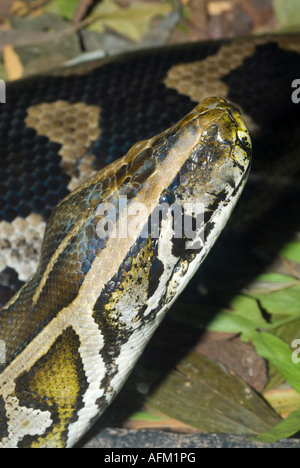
x=270 y=282
x=291 y=250
x=286 y=428
x=64 y=8
x=132 y=22
x=274 y=278
x=287 y=13
x=278 y=352
x=243 y=313
x=283 y=302
x=207 y=396
x=145 y=416
x=283 y=399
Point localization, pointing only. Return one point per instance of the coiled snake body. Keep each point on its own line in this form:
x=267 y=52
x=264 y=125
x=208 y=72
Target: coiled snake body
x=74 y=331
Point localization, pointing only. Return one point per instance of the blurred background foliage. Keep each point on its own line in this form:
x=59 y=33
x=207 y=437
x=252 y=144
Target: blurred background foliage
x=36 y=35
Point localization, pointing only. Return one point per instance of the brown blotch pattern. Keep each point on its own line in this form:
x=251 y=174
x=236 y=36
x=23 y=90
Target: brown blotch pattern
x=202 y=79
x=75 y=127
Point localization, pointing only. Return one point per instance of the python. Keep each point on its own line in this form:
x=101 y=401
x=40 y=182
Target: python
x=104 y=297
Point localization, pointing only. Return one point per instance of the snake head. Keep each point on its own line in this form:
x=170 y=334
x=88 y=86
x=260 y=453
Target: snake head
x=177 y=190
x=213 y=149
x=160 y=206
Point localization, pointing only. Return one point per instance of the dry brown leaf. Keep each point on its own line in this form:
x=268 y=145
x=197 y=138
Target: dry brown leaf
x=12 y=63
x=22 y=8
x=5 y=7
x=22 y=37
x=217 y=8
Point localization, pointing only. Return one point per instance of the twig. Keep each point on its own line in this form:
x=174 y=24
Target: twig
x=29 y=38
x=81 y=10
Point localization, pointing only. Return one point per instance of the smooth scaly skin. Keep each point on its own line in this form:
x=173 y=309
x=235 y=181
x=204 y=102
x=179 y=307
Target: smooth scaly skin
x=76 y=329
x=57 y=129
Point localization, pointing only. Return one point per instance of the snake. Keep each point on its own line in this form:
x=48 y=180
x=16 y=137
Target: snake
x=104 y=165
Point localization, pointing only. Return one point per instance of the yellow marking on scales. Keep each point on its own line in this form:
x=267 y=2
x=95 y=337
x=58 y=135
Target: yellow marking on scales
x=54 y=383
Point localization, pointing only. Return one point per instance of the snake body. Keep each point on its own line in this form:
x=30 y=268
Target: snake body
x=74 y=331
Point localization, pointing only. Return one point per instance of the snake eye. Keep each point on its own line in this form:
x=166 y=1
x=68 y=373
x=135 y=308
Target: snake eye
x=167 y=197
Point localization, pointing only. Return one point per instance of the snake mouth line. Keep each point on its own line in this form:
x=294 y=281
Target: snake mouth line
x=245 y=144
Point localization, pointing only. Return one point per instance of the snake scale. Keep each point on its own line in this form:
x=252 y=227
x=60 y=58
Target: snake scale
x=74 y=323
